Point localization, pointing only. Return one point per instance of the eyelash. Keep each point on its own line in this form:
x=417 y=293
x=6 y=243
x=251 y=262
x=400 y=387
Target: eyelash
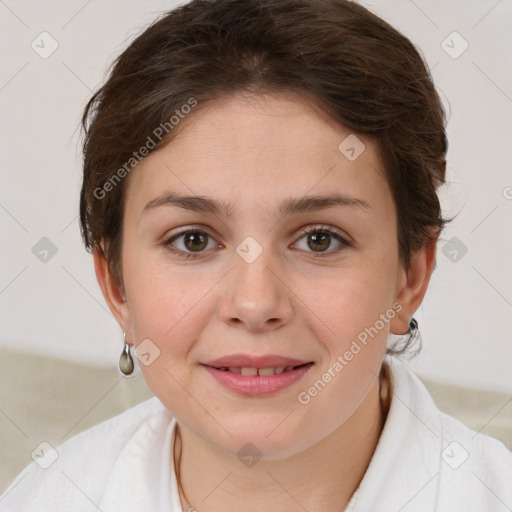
x=307 y=231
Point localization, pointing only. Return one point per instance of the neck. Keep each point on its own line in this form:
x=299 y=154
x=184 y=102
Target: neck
x=323 y=477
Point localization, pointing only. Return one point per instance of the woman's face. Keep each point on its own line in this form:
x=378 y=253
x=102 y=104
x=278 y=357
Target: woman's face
x=254 y=283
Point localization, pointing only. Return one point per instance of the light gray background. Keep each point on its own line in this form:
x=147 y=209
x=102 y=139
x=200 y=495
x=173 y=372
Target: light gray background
x=56 y=308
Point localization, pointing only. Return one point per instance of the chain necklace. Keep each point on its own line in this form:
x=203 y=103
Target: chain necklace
x=384 y=400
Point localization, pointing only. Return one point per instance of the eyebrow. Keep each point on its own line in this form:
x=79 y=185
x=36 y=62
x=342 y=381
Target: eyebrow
x=290 y=206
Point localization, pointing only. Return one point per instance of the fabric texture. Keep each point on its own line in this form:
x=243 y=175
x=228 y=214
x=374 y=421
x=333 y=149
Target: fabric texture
x=425 y=460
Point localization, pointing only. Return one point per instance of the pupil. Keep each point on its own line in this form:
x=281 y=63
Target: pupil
x=197 y=241
x=318 y=239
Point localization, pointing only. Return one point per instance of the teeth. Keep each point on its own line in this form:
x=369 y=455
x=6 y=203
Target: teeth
x=249 y=371
x=262 y=372
x=265 y=372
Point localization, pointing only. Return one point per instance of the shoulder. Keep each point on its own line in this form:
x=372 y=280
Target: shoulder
x=76 y=472
x=473 y=471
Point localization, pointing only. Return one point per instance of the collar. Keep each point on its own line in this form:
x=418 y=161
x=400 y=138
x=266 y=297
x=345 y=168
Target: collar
x=403 y=474
x=136 y=483
x=404 y=470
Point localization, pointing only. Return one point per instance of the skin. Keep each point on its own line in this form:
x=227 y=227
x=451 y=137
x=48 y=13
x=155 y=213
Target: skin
x=255 y=151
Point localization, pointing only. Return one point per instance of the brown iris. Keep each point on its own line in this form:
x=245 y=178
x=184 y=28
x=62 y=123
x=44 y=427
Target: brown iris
x=319 y=241
x=195 y=241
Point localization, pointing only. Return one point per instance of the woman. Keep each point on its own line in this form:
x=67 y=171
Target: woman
x=259 y=195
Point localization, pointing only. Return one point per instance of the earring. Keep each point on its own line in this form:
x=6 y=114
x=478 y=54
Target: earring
x=403 y=342
x=413 y=326
x=126 y=361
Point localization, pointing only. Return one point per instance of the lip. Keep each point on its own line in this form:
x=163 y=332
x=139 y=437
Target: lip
x=254 y=385
x=246 y=361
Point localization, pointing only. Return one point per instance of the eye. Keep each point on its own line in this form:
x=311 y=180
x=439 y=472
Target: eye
x=320 y=238
x=191 y=241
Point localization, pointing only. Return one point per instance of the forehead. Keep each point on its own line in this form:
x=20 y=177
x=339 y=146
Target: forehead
x=247 y=148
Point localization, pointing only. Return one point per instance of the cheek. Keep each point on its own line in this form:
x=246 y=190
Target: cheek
x=352 y=299
x=161 y=305
x=169 y=304
x=166 y=307
x=172 y=302
x=355 y=312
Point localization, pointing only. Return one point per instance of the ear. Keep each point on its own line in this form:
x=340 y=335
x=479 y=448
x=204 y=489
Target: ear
x=412 y=285
x=114 y=295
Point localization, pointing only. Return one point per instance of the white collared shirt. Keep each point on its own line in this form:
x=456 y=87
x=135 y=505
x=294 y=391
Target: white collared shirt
x=425 y=461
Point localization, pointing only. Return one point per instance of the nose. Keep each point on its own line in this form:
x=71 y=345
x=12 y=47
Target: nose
x=256 y=297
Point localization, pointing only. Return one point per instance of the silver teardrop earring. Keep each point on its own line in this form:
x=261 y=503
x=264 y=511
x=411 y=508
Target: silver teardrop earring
x=126 y=361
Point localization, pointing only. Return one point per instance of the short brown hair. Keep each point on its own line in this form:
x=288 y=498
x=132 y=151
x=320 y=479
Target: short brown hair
x=357 y=67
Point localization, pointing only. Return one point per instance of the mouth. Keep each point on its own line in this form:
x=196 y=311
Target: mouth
x=260 y=372
x=257 y=376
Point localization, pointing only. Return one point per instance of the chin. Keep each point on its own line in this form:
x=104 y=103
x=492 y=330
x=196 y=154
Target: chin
x=266 y=438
